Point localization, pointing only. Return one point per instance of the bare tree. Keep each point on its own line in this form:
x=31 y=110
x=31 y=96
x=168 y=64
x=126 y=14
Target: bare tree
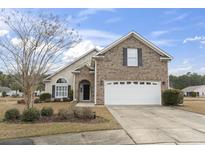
x=33 y=45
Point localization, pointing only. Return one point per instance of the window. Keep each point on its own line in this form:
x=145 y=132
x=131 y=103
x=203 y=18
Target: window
x=128 y=82
x=61 y=88
x=61 y=80
x=115 y=83
x=122 y=82
x=141 y=82
x=61 y=91
x=135 y=82
x=148 y=83
x=132 y=57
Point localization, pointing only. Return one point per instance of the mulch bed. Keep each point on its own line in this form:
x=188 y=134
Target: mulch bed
x=55 y=118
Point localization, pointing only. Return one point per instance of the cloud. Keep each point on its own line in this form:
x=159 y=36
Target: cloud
x=200 y=39
x=3 y=32
x=86 y=12
x=113 y=20
x=164 y=42
x=178 y=18
x=185 y=66
x=101 y=38
x=78 y=50
x=159 y=33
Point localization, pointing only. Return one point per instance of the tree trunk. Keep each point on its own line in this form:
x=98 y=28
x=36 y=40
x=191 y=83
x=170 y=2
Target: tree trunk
x=29 y=99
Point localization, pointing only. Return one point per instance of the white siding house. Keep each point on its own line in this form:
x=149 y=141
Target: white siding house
x=200 y=90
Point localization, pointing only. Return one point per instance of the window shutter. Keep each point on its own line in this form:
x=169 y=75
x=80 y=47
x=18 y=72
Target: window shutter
x=69 y=88
x=53 y=91
x=124 y=56
x=139 y=57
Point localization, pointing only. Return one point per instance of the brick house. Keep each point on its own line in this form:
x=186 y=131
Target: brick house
x=129 y=71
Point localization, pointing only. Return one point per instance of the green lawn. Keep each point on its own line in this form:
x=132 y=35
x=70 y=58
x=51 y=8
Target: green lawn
x=10 y=130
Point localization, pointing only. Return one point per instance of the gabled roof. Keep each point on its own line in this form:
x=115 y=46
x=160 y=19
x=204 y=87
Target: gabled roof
x=94 y=49
x=192 y=88
x=139 y=37
x=85 y=65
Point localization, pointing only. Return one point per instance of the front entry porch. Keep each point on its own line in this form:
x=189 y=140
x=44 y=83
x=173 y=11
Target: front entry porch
x=84 y=85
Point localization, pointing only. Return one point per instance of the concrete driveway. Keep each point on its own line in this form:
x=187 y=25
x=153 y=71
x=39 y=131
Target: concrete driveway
x=160 y=125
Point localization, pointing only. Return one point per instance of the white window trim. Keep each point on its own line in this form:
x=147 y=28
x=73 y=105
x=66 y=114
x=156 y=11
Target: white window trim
x=129 y=57
x=61 y=85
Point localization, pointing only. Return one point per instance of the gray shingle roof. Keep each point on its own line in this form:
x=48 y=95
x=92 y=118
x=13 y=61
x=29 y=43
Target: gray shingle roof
x=192 y=88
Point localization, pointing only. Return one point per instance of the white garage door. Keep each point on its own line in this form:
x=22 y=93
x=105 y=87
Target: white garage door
x=132 y=93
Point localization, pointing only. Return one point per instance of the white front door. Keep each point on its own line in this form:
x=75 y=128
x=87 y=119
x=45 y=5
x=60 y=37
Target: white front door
x=132 y=93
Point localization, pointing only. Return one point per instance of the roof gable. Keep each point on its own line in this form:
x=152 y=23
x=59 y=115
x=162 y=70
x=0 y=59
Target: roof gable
x=81 y=57
x=142 y=39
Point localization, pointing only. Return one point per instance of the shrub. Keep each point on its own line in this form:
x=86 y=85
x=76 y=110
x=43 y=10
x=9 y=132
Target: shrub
x=12 y=114
x=193 y=94
x=84 y=113
x=65 y=114
x=66 y=99
x=21 y=101
x=172 y=97
x=47 y=111
x=4 y=94
x=45 y=97
x=37 y=100
x=70 y=95
x=57 y=100
x=31 y=115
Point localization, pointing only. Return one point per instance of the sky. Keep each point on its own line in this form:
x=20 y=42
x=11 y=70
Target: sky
x=180 y=32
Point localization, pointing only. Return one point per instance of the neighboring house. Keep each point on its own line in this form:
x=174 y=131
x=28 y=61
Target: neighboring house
x=129 y=71
x=15 y=93
x=199 y=90
x=5 y=89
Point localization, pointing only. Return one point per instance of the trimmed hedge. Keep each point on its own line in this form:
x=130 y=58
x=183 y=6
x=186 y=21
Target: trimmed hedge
x=31 y=115
x=21 y=101
x=45 y=97
x=12 y=114
x=37 y=100
x=172 y=97
x=84 y=113
x=46 y=112
x=65 y=114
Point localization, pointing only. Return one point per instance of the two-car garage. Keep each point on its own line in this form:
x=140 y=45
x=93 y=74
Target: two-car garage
x=132 y=93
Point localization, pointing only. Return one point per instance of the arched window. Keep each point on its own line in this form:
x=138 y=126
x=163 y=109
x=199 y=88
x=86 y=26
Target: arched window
x=61 y=90
x=61 y=80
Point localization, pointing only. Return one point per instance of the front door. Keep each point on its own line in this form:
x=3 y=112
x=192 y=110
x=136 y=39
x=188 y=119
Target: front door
x=86 y=92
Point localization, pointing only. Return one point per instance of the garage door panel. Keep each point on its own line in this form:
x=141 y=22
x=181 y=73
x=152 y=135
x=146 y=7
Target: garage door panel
x=132 y=94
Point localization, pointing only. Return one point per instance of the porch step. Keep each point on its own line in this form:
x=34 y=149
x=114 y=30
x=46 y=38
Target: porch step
x=87 y=104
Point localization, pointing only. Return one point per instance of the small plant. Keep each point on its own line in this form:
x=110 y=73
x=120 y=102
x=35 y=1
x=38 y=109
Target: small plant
x=172 y=97
x=65 y=114
x=70 y=95
x=46 y=97
x=57 y=100
x=37 y=100
x=21 y=101
x=84 y=113
x=31 y=115
x=4 y=94
x=12 y=114
x=46 y=112
x=193 y=94
x=66 y=99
